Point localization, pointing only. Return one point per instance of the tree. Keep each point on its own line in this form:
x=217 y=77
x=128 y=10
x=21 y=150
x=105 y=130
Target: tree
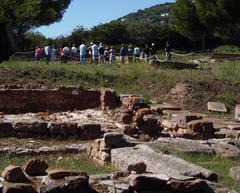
x=186 y=20
x=220 y=18
x=24 y=15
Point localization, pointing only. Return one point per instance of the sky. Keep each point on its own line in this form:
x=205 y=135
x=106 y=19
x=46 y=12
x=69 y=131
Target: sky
x=89 y=13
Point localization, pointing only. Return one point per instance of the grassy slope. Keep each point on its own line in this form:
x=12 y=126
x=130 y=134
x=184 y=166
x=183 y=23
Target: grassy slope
x=140 y=78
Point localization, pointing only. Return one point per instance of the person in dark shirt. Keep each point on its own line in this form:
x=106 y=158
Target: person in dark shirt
x=146 y=53
x=123 y=53
x=130 y=54
x=153 y=53
x=168 y=50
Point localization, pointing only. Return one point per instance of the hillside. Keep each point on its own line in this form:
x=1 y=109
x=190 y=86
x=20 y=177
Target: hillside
x=156 y=14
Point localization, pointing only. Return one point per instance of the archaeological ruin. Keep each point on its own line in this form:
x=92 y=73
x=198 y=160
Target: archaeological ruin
x=142 y=141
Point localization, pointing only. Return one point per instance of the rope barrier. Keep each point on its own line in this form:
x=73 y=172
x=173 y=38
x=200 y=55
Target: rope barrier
x=183 y=55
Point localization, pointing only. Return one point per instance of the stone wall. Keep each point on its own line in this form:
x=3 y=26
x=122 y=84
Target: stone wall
x=37 y=100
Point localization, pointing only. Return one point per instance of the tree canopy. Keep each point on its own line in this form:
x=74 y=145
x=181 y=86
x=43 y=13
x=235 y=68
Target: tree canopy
x=24 y=15
x=220 y=18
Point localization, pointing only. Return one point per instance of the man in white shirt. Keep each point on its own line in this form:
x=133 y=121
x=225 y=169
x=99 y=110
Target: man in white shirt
x=95 y=53
x=74 y=53
x=65 y=51
x=137 y=52
x=47 y=51
x=83 y=52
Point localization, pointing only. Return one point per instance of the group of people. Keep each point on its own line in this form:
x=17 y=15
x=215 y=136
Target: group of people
x=98 y=53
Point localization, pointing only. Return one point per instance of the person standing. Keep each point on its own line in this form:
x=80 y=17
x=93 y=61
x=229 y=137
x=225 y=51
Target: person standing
x=112 y=55
x=95 y=53
x=83 y=53
x=101 y=53
x=47 y=51
x=53 y=54
x=123 y=54
x=137 y=52
x=130 y=54
x=65 y=51
x=38 y=53
x=168 y=50
x=146 y=53
x=153 y=53
x=74 y=53
x=107 y=55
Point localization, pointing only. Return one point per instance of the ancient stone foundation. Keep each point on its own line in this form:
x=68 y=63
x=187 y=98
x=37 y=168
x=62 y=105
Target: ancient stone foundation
x=61 y=99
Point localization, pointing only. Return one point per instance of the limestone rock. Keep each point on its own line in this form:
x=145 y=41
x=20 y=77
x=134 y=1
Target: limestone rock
x=237 y=112
x=165 y=164
x=18 y=188
x=216 y=107
x=14 y=174
x=138 y=118
x=89 y=131
x=31 y=127
x=201 y=126
x=190 y=186
x=109 y=99
x=78 y=184
x=149 y=182
x=159 y=108
x=124 y=117
x=235 y=173
x=129 y=130
x=63 y=128
x=113 y=139
x=60 y=174
x=139 y=167
x=36 y=168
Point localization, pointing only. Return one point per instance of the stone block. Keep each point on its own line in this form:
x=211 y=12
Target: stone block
x=14 y=174
x=235 y=173
x=113 y=139
x=35 y=168
x=6 y=129
x=31 y=127
x=138 y=118
x=61 y=174
x=18 y=188
x=159 y=108
x=149 y=182
x=89 y=131
x=78 y=184
x=124 y=117
x=237 y=112
x=216 y=107
x=151 y=123
x=201 y=126
x=109 y=99
x=138 y=168
x=63 y=129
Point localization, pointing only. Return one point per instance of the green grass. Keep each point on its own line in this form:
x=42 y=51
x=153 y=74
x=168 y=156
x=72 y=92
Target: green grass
x=142 y=78
x=219 y=165
x=76 y=162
